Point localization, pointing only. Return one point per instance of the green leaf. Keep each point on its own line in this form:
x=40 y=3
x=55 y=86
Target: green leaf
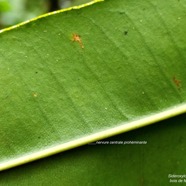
x=133 y=165
x=125 y=70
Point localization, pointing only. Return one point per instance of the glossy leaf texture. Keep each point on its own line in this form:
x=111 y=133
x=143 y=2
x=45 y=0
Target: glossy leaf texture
x=90 y=73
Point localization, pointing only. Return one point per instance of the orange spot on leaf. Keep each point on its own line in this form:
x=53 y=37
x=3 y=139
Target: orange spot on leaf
x=77 y=38
x=177 y=82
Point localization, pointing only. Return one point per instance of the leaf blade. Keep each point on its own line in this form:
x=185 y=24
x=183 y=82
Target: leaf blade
x=57 y=91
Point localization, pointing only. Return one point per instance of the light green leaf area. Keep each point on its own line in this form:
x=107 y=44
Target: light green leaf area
x=153 y=163
x=126 y=71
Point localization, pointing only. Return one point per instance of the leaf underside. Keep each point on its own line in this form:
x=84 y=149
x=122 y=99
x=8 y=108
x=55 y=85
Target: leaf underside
x=128 y=63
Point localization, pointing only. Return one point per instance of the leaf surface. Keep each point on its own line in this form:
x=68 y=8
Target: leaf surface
x=78 y=76
x=154 y=163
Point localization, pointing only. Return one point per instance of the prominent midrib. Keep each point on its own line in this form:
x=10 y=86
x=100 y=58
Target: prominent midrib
x=120 y=128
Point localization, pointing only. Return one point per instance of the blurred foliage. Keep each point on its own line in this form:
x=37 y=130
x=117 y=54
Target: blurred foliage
x=15 y=11
x=4 y=6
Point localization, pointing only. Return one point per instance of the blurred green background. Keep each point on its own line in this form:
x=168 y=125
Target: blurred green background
x=16 y=11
